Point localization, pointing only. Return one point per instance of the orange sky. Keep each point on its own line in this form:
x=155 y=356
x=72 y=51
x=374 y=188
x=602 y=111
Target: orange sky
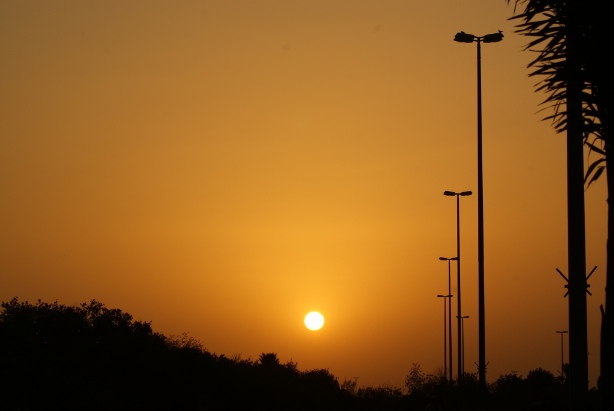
x=223 y=167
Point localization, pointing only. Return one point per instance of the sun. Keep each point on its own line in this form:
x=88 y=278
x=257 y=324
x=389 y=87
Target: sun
x=314 y=321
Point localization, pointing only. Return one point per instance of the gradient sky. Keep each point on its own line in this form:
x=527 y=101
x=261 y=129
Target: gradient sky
x=223 y=167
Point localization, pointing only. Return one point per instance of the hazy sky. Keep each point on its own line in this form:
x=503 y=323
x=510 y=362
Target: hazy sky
x=223 y=167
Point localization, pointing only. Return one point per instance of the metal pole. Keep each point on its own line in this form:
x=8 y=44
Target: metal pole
x=458 y=285
x=445 y=353
x=458 y=272
x=450 y=320
x=463 y=337
x=481 y=308
x=444 y=334
x=562 y=358
x=562 y=351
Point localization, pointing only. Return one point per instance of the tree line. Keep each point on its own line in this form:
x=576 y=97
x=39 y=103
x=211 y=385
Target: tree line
x=90 y=357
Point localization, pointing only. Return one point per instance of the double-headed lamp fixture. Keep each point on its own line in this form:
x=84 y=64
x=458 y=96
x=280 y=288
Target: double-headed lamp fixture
x=463 y=37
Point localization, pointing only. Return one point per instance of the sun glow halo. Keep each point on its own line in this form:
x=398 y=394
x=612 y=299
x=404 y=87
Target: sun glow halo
x=314 y=321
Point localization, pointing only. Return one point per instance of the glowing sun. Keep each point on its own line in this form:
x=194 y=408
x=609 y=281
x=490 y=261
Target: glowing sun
x=314 y=321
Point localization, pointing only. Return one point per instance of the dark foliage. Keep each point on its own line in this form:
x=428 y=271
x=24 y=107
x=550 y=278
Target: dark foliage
x=89 y=357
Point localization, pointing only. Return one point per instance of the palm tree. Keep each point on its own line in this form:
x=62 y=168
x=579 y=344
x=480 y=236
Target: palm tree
x=571 y=42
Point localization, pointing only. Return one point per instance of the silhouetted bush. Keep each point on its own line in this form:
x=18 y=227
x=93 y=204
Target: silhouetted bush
x=90 y=357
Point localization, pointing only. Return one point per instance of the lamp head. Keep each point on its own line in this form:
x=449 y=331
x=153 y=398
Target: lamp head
x=463 y=37
x=452 y=193
x=493 y=38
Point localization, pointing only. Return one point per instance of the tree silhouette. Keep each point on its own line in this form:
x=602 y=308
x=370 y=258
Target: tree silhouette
x=90 y=357
x=508 y=390
x=75 y=354
x=571 y=38
x=269 y=360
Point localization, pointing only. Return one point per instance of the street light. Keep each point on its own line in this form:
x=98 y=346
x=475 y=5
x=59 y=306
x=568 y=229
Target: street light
x=444 y=334
x=458 y=264
x=463 y=338
x=463 y=37
x=449 y=310
x=562 y=360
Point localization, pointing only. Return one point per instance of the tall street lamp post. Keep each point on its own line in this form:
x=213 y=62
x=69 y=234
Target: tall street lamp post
x=463 y=339
x=463 y=37
x=458 y=276
x=444 y=333
x=449 y=311
x=562 y=358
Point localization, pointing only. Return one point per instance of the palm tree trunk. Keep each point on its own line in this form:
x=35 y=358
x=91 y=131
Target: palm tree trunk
x=578 y=346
